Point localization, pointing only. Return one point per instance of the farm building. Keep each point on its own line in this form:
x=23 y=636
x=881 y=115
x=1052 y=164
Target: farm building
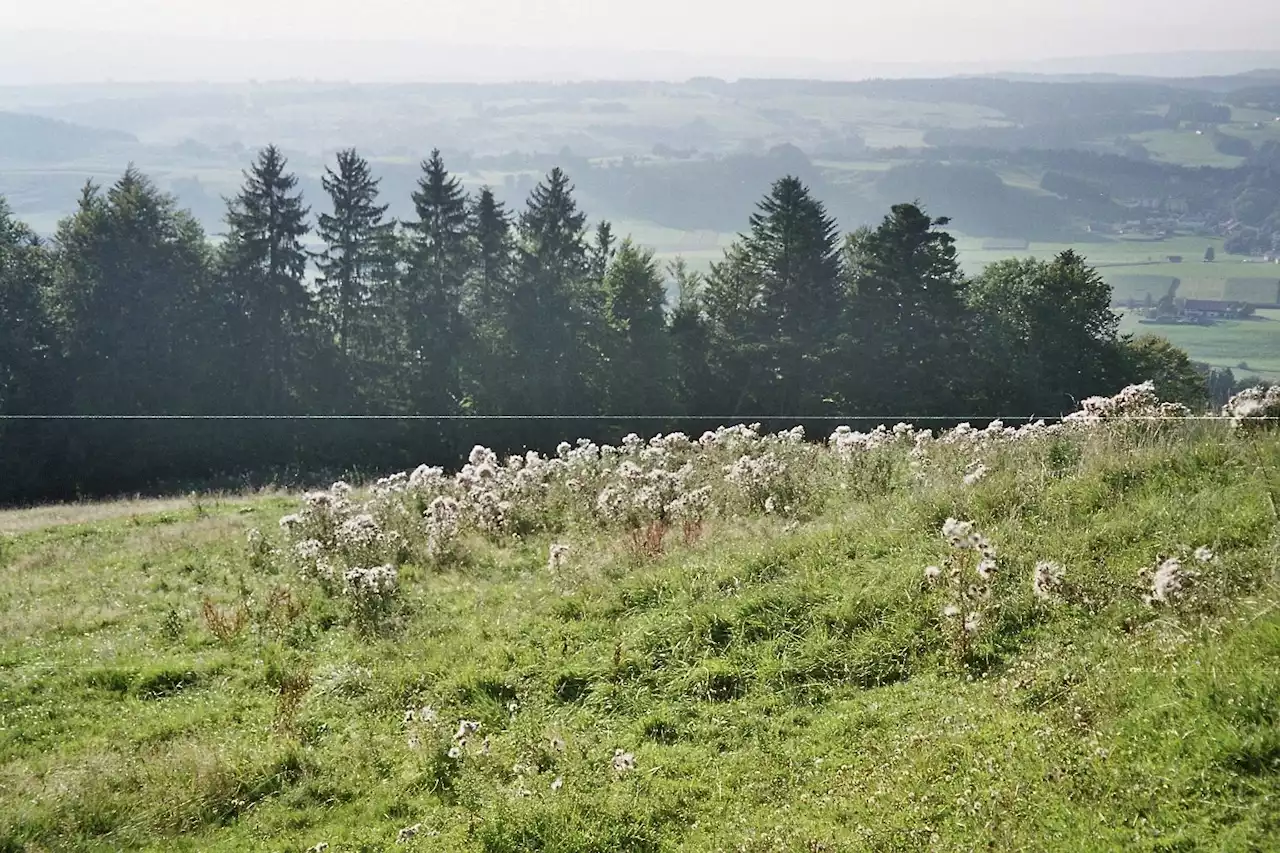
x=1211 y=308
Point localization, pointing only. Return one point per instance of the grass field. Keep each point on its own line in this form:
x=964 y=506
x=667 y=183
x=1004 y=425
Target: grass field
x=1134 y=267
x=1228 y=343
x=781 y=683
x=1186 y=148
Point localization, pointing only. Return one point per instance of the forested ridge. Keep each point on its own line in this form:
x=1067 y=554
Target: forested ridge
x=468 y=308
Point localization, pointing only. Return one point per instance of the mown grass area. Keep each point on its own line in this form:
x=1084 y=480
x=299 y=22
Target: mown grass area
x=782 y=683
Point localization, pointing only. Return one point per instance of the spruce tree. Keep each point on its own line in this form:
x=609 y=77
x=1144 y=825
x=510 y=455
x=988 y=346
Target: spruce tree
x=738 y=359
x=354 y=254
x=639 y=354
x=600 y=253
x=687 y=329
x=264 y=264
x=439 y=249
x=551 y=316
x=492 y=250
x=487 y=303
x=792 y=247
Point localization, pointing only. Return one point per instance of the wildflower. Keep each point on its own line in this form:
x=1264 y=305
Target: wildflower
x=951 y=611
x=690 y=506
x=975 y=472
x=377 y=584
x=443 y=521
x=1256 y=406
x=512 y=707
x=557 y=744
x=932 y=574
x=325 y=570
x=318 y=848
x=408 y=716
x=769 y=505
x=406 y=834
x=971 y=623
x=413 y=741
x=360 y=531
x=557 y=784
x=290 y=522
x=424 y=476
x=455 y=752
x=1046 y=579
x=466 y=728
x=308 y=549
x=1204 y=554
x=427 y=714
x=623 y=761
x=558 y=557
x=957 y=532
x=978 y=592
x=986 y=568
x=1167 y=583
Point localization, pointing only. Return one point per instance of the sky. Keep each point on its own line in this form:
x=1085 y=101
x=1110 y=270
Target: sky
x=811 y=31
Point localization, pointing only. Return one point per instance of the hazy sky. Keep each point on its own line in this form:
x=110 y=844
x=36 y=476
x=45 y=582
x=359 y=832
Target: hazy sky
x=86 y=41
x=838 y=30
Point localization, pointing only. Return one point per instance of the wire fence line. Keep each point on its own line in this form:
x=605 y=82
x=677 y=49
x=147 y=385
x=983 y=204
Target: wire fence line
x=746 y=418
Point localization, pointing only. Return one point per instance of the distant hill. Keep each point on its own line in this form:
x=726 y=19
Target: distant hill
x=36 y=139
x=1209 y=83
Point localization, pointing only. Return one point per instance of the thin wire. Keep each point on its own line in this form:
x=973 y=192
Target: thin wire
x=717 y=418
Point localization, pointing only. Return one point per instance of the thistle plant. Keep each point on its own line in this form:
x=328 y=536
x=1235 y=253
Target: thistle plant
x=965 y=579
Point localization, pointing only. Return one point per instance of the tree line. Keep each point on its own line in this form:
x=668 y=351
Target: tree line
x=468 y=308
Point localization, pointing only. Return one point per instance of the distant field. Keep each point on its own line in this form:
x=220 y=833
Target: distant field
x=1139 y=287
x=1135 y=269
x=1134 y=265
x=1254 y=342
x=1186 y=148
x=698 y=248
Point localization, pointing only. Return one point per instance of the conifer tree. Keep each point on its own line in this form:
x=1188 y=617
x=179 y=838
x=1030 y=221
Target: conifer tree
x=492 y=248
x=550 y=318
x=639 y=355
x=487 y=303
x=687 y=329
x=600 y=253
x=737 y=357
x=438 y=336
x=354 y=258
x=792 y=247
x=264 y=265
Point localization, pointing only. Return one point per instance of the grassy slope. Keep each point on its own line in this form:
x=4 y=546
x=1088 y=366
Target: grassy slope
x=781 y=687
